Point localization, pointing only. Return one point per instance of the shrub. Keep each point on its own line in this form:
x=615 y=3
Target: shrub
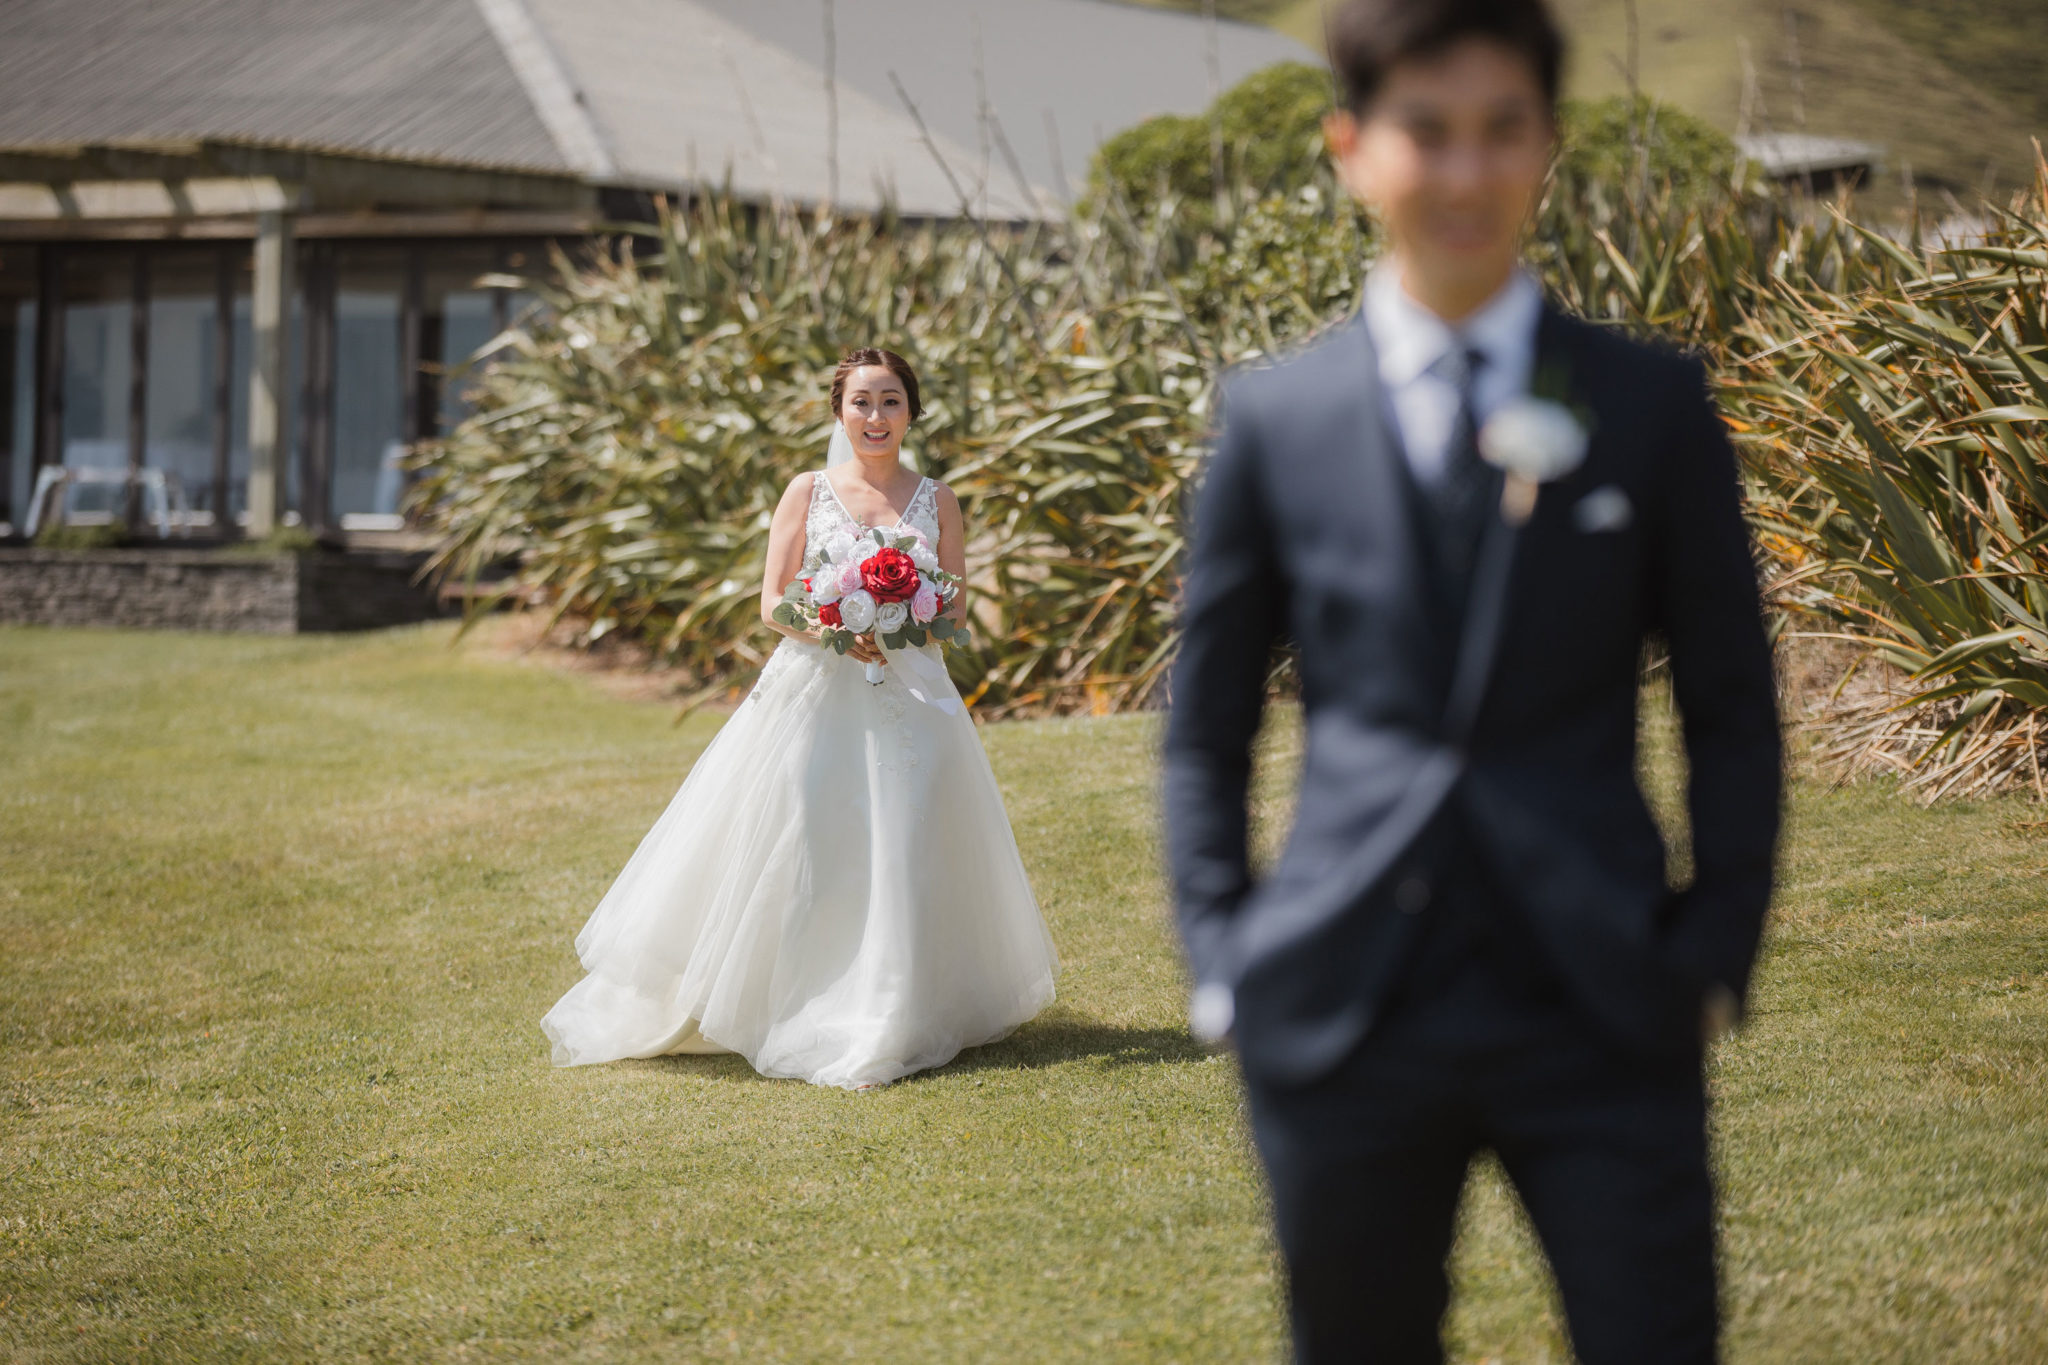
x=1901 y=436
x=58 y=535
x=1271 y=128
x=1648 y=143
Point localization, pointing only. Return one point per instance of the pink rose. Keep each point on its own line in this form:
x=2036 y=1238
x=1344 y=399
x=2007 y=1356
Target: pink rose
x=849 y=578
x=924 y=604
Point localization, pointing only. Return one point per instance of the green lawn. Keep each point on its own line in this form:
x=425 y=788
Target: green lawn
x=279 y=918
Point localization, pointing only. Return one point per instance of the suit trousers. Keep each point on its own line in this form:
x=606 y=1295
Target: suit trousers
x=1482 y=1051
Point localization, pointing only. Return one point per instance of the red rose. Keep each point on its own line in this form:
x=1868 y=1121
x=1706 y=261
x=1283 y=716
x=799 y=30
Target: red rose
x=889 y=576
x=828 y=615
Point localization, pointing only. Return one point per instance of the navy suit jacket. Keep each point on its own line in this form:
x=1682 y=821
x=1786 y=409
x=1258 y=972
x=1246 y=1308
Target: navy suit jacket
x=1306 y=528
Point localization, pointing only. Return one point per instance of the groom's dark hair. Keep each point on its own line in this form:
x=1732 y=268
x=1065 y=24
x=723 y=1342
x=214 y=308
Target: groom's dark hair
x=1369 y=38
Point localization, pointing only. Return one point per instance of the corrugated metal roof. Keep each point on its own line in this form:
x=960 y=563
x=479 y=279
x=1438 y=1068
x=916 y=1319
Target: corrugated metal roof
x=681 y=95
x=412 y=79
x=650 y=93
x=1088 y=68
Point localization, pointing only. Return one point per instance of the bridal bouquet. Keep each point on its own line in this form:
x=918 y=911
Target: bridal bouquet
x=886 y=584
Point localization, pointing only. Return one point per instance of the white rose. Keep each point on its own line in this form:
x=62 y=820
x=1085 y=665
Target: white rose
x=1533 y=439
x=839 y=547
x=824 y=582
x=922 y=556
x=857 y=611
x=890 y=616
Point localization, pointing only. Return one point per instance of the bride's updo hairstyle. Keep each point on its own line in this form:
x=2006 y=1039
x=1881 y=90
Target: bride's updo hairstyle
x=888 y=360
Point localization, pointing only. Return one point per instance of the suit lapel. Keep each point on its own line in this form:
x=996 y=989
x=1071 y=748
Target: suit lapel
x=1376 y=440
x=1493 y=578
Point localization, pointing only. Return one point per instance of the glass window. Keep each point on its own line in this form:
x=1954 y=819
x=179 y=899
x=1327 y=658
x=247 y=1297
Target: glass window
x=467 y=317
x=369 y=289
x=184 y=369
x=99 y=289
x=465 y=320
x=459 y=320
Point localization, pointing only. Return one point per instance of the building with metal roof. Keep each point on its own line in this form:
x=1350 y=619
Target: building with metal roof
x=1801 y=159
x=238 y=238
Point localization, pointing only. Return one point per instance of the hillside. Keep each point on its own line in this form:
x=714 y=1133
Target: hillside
x=1842 y=68
x=1951 y=90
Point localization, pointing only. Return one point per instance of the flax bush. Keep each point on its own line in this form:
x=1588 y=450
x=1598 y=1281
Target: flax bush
x=1898 y=432
x=629 y=446
x=630 y=441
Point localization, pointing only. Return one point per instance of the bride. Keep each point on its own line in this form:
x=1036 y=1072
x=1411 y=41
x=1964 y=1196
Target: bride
x=834 y=892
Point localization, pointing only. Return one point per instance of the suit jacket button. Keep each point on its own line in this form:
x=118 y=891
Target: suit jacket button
x=1411 y=896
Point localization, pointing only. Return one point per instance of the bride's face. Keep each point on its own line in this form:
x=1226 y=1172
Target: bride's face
x=875 y=410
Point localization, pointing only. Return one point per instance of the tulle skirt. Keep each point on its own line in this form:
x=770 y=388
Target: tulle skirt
x=833 y=893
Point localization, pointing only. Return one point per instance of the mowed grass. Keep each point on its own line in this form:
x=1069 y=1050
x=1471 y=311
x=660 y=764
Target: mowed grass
x=279 y=918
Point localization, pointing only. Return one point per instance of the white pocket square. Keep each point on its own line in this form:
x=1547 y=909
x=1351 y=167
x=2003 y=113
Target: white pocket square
x=1606 y=508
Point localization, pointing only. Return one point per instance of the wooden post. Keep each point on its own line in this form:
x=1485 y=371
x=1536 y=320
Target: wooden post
x=411 y=348
x=223 y=388
x=270 y=336
x=501 y=298
x=316 y=390
x=138 y=388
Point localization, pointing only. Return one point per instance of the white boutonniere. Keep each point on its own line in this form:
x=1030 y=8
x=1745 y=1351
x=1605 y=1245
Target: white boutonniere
x=1534 y=440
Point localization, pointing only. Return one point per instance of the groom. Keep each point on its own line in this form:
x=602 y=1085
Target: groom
x=1468 y=943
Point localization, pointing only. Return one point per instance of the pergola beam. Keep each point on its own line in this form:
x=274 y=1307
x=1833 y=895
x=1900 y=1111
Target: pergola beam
x=213 y=197
x=242 y=227
x=330 y=181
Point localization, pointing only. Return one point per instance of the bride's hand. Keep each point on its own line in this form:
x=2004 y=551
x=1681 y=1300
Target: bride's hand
x=865 y=650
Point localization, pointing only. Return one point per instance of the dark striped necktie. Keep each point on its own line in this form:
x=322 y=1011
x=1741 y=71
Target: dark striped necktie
x=1462 y=496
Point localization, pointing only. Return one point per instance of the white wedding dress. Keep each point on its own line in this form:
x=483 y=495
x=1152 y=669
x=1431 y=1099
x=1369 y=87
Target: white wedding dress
x=833 y=893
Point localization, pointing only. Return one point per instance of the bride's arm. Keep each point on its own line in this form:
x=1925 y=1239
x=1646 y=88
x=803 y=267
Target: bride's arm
x=953 y=548
x=786 y=554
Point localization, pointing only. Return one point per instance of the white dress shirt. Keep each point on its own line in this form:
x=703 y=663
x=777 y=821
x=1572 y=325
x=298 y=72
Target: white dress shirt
x=1409 y=339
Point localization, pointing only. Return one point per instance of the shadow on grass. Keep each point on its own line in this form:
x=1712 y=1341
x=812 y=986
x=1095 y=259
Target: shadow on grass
x=1049 y=1040
x=1057 y=1037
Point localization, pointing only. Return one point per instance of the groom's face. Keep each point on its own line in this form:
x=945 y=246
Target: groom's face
x=1451 y=153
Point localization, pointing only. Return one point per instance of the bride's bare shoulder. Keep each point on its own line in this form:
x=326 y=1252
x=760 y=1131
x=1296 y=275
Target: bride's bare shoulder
x=798 y=494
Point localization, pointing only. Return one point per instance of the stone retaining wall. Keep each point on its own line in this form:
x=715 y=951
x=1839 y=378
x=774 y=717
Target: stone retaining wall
x=183 y=589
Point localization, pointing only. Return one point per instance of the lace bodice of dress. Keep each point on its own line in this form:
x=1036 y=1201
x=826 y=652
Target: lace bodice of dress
x=828 y=515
